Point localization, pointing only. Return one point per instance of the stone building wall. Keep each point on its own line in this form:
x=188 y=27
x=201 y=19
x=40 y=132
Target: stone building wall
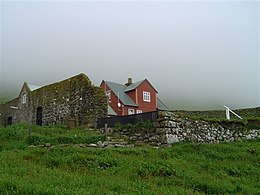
x=171 y=128
x=74 y=99
x=9 y=113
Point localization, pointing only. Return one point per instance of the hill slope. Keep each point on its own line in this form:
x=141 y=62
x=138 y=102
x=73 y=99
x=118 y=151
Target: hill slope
x=221 y=114
x=182 y=169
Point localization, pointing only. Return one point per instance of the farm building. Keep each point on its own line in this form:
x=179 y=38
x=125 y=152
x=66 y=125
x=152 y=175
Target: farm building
x=75 y=100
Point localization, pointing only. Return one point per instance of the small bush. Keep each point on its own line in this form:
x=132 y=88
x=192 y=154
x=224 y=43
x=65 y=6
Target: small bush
x=140 y=126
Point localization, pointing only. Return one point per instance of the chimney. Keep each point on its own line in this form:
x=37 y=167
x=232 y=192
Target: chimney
x=130 y=81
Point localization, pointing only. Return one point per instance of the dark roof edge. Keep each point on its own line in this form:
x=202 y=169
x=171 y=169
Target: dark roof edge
x=161 y=102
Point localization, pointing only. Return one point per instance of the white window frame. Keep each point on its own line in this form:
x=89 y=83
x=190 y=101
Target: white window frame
x=146 y=96
x=139 y=111
x=108 y=94
x=131 y=111
x=24 y=98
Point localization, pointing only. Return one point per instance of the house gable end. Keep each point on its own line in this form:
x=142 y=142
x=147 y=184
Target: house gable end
x=146 y=96
x=150 y=85
x=25 y=88
x=24 y=94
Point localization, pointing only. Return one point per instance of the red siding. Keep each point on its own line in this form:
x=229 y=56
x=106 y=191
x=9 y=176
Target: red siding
x=146 y=106
x=137 y=96
x=114 y=101
x=132 y=95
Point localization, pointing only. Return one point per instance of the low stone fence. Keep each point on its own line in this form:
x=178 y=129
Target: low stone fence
x=172 y=128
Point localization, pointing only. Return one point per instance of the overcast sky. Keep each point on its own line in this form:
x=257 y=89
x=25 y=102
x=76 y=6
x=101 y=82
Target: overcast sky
x=197 y=54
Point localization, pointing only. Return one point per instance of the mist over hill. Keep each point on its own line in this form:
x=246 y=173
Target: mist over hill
x=199 y=55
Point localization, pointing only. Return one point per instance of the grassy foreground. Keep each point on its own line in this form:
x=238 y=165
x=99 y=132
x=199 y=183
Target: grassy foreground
x=182 y=169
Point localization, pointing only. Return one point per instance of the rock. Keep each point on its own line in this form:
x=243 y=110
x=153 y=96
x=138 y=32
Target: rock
x=64 y=145
x=105 y=143
x=172 y=138
x=82 y=145
x=92 y=145
x=119 y=145
x=133 y=138
x=47 y=145
x=248 y=137
x=110 y=146
x=172 y=124
x=100 y=144
x=167 y=145
x=154 y=138
x=160 y=130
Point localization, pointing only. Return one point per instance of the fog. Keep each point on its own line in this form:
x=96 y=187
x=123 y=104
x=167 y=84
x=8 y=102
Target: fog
x=197 y=54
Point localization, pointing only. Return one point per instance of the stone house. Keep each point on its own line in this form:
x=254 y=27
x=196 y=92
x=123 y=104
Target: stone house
x=75 y=100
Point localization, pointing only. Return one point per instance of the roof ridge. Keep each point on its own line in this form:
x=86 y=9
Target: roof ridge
x=33 y=87
x=113 y=82
x=134 y=85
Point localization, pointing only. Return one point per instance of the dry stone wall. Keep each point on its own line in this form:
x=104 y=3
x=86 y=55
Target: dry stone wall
x=172 y=128
x=179 y=129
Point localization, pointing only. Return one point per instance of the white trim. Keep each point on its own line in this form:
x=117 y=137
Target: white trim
x=146 y=96
x=108 y=94
x=24 y=98
x=139 y=111
x=131 y=111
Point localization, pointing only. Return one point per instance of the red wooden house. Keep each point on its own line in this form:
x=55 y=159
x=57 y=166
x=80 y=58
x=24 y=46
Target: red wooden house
x=131 y=98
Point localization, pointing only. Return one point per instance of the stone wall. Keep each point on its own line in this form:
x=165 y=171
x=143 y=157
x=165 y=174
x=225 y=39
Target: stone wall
x=73 y=100
x=171 y=128
x=7 y=112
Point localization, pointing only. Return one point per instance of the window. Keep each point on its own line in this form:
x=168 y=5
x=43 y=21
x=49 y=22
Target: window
x=131 y=111
x=139 y=111
x=24 y=98
x=108 y=95
x=146 y=96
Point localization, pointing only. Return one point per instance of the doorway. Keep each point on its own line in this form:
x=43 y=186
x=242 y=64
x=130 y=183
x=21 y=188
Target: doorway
x=39 y=116
x=9 y=120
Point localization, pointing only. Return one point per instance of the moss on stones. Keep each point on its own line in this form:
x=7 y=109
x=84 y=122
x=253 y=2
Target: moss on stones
x=74 y=98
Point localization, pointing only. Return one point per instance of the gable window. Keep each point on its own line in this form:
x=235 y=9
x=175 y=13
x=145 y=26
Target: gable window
x=139 y=111
x=108 y=96
x=24 y=98
x=146 y=96
x=131 y=111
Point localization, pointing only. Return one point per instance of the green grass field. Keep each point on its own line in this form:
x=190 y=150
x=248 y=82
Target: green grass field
x=227 y=168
